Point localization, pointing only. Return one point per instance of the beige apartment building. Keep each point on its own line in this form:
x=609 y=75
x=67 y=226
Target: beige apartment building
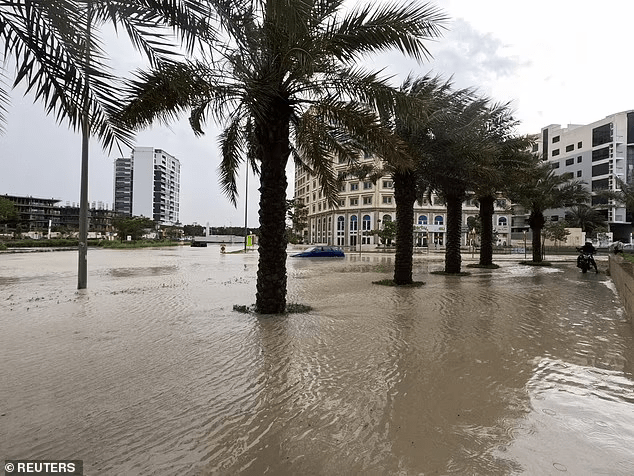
x=365 y=206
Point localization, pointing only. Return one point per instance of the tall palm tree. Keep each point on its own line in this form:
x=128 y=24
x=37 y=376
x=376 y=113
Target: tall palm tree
x=542 y=189
x=501 y=157
x=451 y=167
x=433 y=97
x=286 y=84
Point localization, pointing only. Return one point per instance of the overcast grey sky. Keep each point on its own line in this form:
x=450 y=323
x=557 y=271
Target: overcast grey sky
x=558 y=62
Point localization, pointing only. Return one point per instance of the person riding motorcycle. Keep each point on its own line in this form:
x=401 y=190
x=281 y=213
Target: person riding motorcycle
x=589 y=250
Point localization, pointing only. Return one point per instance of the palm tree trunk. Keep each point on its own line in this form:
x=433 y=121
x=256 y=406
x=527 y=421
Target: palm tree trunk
x=486 y=218
x=454 y=227
x=536 y=221
x=404 y=196
x=274 y=150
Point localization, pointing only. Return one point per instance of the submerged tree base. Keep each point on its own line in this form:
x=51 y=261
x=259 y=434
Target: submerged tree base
x=536 y=263
x=390 y=282
x=291 y=308
x=484 y=266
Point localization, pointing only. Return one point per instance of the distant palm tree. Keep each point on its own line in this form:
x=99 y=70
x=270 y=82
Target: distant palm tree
x=542 y=189
x=585 y=217
x=286 y=84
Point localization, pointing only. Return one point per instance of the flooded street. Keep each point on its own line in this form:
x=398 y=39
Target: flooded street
x=149 y=371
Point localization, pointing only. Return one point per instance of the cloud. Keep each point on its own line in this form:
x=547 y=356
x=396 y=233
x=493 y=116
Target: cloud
x=475 y=59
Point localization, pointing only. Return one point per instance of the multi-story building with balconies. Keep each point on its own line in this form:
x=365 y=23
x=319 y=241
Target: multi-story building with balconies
x=148 y=184
x=365 y=205
x=598 y=153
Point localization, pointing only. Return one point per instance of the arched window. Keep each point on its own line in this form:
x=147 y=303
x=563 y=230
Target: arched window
x=387 y=218
x=353 y=223
x=438 y=220
x=502 y=221
x=422 y=220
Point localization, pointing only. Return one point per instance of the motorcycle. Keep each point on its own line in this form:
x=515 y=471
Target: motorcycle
x=584 y=260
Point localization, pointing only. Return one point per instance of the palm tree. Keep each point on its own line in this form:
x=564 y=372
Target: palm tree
x=286 y=84
x=451 y=168
x=585 y=217
x=433 y=97
x=61 y=59
x=542 y=189
x=501 y=157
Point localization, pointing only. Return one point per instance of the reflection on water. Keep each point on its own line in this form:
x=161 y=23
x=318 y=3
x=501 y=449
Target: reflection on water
x=518 y=370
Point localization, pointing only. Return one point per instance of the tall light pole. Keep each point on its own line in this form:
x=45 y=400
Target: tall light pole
x=246 y=202
x=82 y=274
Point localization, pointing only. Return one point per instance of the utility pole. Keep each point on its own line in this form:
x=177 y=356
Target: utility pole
x=82 y=275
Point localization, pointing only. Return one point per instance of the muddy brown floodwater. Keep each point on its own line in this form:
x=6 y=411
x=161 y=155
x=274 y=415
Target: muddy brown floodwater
x=149 y=371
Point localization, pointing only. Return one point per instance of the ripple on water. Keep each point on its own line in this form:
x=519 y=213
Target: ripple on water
x=149 y=371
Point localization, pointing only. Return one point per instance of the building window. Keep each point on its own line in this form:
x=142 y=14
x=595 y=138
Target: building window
x=341 y=231
x=602 y=184
x=438 y=220
x=601 y=169
x=579 y=145
x=354 y=201
x=535 y=148
x=422 y=220
x=387 y=200
x=387 y=218
x=388 y=184
x=554 y=218
x=367 y=200
x=353 y=230
x=570 y=161
x=342 y=188
x=600 y=154
x=555 y=165
x=367 y=185
x=555 y=139
x=502 y=221
x=602 y=134
x=579 y=159
x=579 y=174
x=354 y=186
x=366 y=227
x=555 y=152
x=342 y=202
x=570 y=148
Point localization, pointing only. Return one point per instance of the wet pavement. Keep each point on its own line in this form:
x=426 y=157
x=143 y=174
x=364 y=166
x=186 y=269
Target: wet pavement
x=518 y=370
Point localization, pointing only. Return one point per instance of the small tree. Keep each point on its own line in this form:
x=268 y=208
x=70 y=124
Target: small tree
x=134 y=227
x=193 y=230
x=556 y=231
x=297 y=212
x=387 y=233
x=8 y=212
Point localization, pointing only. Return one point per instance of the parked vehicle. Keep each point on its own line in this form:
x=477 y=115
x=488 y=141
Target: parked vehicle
x=321 y=252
